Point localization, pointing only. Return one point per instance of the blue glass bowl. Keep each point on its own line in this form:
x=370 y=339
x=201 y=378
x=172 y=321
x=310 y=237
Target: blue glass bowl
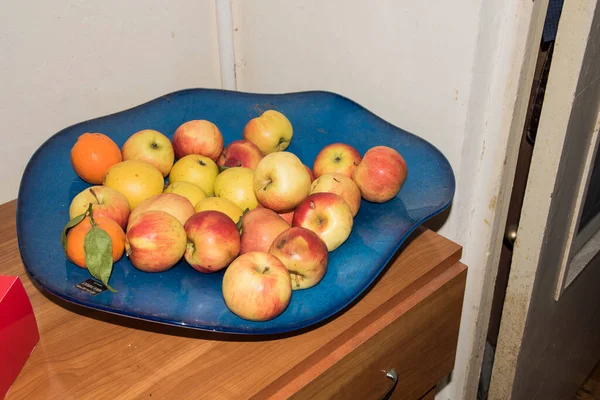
x=184 y=297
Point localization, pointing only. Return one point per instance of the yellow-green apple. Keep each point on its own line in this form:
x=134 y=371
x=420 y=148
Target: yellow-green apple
x=304 y=254
x=327 y=215
x=380 y=174
x=336 y=157
x=190 y=191
x=280 y=181
x=240 y=153
x=150 y=146
x=270 y=132
x=221 y=204
x=198 y=137
x=339 y=184
x=106 y=202
x=174 y=204
x=310 y=173
x=236 y=184
x=259 y=228
x=196 y=169
x=213 y=241
x=256 y=286
x=155 y=241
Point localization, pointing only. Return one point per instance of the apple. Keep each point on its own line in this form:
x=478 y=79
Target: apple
x=221 y=204
x=106 y=202
x=213 y=241
x=339 y=184
x=310 y=173
x=240 y=153
x=270 y=132
x=135 y=179
x=287 y=216
x=196 y=169
x=150 y=146
x=155 y=241
x=380 y=174
x=280 y=181
x=336 y=157
x=174 y=204
x=236 y=184
x=304 y=254
x=190 y=191
x=327 y=215
x=256 y=286
x=259 y=228
x=198 y=137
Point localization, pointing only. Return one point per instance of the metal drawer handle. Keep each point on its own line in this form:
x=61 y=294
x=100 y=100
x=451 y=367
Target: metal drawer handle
x=393 y=375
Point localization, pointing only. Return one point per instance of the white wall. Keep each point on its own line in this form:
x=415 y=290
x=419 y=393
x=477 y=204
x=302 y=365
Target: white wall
x=66 y=61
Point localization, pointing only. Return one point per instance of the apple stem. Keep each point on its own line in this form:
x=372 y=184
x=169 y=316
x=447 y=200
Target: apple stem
x=154 y=145
x=94 y=194
x=266 y=269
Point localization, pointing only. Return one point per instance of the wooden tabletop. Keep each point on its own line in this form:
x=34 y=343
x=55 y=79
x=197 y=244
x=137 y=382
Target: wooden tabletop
x=83 y=353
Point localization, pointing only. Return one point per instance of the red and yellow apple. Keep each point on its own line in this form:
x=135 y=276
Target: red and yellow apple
x=236 y=184
x=336 y=158
x=198 y=137
x=281 y=181
x=257 y=287
x=341 y=185
x=106 y=202
x=327 y=215
x=196 y=169
x=213 y=241
x=270 y=132
x=240 y=153
x=155 y=241
x=259 y=228
x=381 y=174
x=174 y=204
x=150 y=146
x=304 y=254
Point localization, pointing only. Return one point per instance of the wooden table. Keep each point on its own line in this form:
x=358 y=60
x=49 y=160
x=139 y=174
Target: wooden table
x=408 y=321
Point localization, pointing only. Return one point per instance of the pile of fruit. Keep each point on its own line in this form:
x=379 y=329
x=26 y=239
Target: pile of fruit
x=249 y=207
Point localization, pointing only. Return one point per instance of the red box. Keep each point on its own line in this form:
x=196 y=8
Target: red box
x=18 y=330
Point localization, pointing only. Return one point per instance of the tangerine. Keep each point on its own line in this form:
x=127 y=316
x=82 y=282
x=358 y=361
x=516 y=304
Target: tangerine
x=76 y=237
x=92 y=155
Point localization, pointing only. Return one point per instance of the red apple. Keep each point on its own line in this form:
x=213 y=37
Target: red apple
x=256 y=286
x=198 y=137
x=270 y=132
x=304 y=254
x=150 y=146
x=338 y=158
x=280 y=181
x=259 y=228
x=288 y=216
x=339 y=184
x=174 y=204
x=327 y=215
x=380 y=174
x=213 y=241
x=310 y=173
x=240 y=153
x=106 y=202
x=155 y=241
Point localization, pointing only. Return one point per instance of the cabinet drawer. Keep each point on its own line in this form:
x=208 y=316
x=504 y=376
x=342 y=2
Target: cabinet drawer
x=416 y=336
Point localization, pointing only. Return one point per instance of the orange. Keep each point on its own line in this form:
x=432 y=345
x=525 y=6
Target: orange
x=92 y=155
x=76 y=237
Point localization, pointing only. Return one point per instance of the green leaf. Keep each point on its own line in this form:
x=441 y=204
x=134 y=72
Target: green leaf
x=69 y=225
x=97 y=246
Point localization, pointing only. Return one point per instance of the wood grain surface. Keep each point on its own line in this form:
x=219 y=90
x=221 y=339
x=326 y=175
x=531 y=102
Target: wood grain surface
x=84 y=353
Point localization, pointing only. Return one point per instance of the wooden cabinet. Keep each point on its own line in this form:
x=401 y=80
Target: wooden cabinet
x=408 y=320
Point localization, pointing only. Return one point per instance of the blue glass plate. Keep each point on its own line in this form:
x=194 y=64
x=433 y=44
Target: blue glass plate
x=184 y=297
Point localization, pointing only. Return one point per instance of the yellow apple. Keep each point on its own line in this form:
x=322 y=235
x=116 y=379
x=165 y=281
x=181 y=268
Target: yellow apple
x=224 y=205
x=136 y=180
x=197 y=169
x=151 y=146
x=270 y=132
x=236 y=184
x=190 y=191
